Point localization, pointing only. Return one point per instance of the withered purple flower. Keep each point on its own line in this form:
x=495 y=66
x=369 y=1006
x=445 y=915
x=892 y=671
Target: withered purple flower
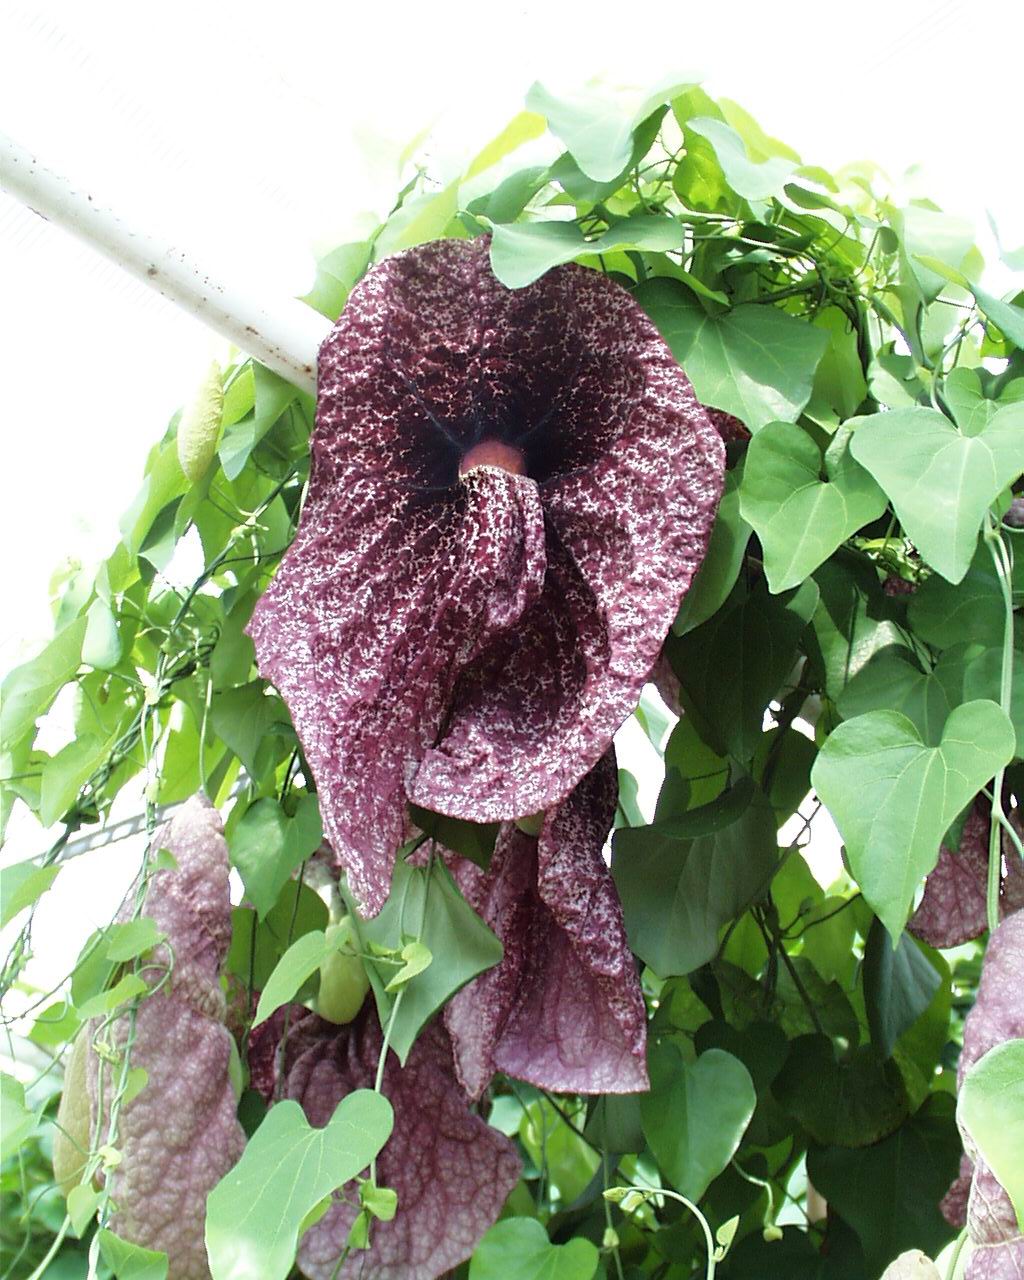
x=977 y=1198
x=452 y=1172
x=563 y=1010
x=180 y=1135
x=510 y=492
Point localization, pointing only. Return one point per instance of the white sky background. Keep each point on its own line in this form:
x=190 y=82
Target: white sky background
x=255 y=132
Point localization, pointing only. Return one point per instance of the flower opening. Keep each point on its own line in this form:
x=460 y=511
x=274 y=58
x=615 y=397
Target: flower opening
x=510 y=492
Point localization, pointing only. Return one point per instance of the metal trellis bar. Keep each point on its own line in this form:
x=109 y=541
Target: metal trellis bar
x=284 y=334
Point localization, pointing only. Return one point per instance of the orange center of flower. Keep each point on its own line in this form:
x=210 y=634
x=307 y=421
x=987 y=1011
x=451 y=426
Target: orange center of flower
x=493 y=453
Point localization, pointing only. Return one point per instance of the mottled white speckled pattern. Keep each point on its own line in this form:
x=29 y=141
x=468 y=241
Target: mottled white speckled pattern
x=180 y=1135
x=976 y=1197
x=474 y=644
x=953 y=908
x=563 y=1010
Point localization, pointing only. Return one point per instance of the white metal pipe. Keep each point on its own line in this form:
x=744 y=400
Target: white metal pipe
x=284 y=334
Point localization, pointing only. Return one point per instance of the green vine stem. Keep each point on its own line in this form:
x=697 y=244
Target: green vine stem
x=954 y=1258
x=610 y=1234
x=1009 y=830
x=169 y=671
x=1002 y=560
x=631 y=1197
x=768 y=1228
x=54 y=1249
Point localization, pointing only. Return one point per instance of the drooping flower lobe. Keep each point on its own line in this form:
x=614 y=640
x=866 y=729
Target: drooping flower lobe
x=564 y=1009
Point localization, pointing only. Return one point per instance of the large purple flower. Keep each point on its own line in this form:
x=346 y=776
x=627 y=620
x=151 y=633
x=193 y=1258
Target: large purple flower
x=510 y=492
x=563 y=1009
x=451 y=1170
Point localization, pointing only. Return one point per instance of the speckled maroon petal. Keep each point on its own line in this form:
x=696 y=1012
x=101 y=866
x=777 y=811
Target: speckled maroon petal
x=180 y=1135
x=473 y=641
x=998 y=1012
x=666 y=682
x=997 y=1016
x=452 y=1172
x=992 y=1226
x=729 y=428
x=625 y=535
x=564 y=1009
x=954 y=1202
x=953 y=908
x=364 y=630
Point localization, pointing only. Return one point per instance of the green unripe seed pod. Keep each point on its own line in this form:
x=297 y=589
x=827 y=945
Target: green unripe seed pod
x=531 y=824
x=343 y=978
x=72 y=1136
x=200 y=424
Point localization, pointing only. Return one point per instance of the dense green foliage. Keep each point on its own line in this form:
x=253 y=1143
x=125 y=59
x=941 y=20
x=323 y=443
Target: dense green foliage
x=860 y=580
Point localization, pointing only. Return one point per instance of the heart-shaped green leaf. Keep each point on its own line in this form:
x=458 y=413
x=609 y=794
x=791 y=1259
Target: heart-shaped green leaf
x=750 y=179
x=65 y=772
x=267 y=846
x=128 y=1261
x=891 y=680
x=802 y=502
x=944 y=615
x=991 y=1109
x=941 y=480
x=18 y=1120
x=474 y=840
x=982 y=679
x=245 y=718
x=457 y=941
x=732 y=666
x=23 y=883
x=935 y=245
x=101 y=646
x=29 y=689
x=853 y=620
x=720 y=568
x=598 y=130
x=521 y=252
x=755 y=362
x=899 y=985
x=677 y=892
x=519 y=1249
x=130 y=938
x=851 y=1100
x=889 y=1192
x=970 y=408
x=255 y=1213
x=1007 y=315
x=299 y=962
x=695 y=1114
x=893 y=797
